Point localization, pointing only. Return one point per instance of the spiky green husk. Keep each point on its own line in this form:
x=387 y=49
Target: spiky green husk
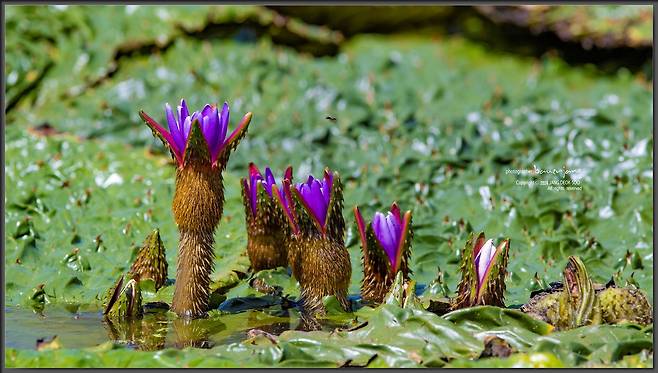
x=467 y=288
x=266 y=231
x=621 y=305
x=492 y=292
x=151 y=261
x=572 y=305
x=549 y=306
x=402 y=293
x=319 y=260
x=378 y=275
x=123 y=302
x=611 y=305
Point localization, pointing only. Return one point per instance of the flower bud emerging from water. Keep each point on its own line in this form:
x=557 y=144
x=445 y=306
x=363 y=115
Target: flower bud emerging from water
x=386 y=248
x=316 y=244
x=267 y=227
x=124 y=302
x=483 y=268
x=151 y=261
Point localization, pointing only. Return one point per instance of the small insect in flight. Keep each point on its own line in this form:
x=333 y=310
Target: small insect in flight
x=329 y=117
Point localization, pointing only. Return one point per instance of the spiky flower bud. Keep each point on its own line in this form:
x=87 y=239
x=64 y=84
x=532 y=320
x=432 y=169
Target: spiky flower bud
x=483 y=269
x=124 y=302
x=402 y=293
x=316 y=245
x=151 y=261
x=267 y=228
x=386 y=248
x=199 y=144
x=569 y=305
x=621 y=305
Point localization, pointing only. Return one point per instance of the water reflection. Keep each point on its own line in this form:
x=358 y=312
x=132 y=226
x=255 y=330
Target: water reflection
x=147 y=334
x=196 y=332
x=84 y=327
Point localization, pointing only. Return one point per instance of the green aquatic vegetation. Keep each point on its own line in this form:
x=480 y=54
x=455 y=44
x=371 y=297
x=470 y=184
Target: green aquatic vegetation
x=124 y=301
x=389 y=336
x=151 y=262
x=578 y=302
x=624 y=305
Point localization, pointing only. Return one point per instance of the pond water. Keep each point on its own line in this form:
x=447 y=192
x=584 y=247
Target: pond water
x=83 y=329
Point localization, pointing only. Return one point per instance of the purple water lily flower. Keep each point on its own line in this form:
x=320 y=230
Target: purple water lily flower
x=389 y=231
x=484 y=259
x=268 y=182
x=315 y=195
x=213 y=123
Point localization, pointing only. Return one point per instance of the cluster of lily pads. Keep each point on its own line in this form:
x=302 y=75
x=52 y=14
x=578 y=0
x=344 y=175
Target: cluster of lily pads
x=301 y=225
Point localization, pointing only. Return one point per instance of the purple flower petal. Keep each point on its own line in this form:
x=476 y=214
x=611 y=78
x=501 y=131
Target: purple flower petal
x=328 y=179
x=173 y=128
x=206 y=110
x=187 y=125
x=483 y=259
x=395 y=229
x=223 y=125
x=326 y=188
x=317 y=203
x=283 y=196
x=269 y=181
x=382 y=233
x=388 y=231
x=205 y=123
x=216 y=142
x=210 y=128
x=183 y=111
x=253 y=192
x=395 y=209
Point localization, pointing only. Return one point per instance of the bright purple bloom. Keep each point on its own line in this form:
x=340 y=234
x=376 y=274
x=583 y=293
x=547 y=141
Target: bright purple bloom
x=284 y=196
x=388 y=231
x=213 y=123
x=255 y=177
x=484 y=259
x=316 y=195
